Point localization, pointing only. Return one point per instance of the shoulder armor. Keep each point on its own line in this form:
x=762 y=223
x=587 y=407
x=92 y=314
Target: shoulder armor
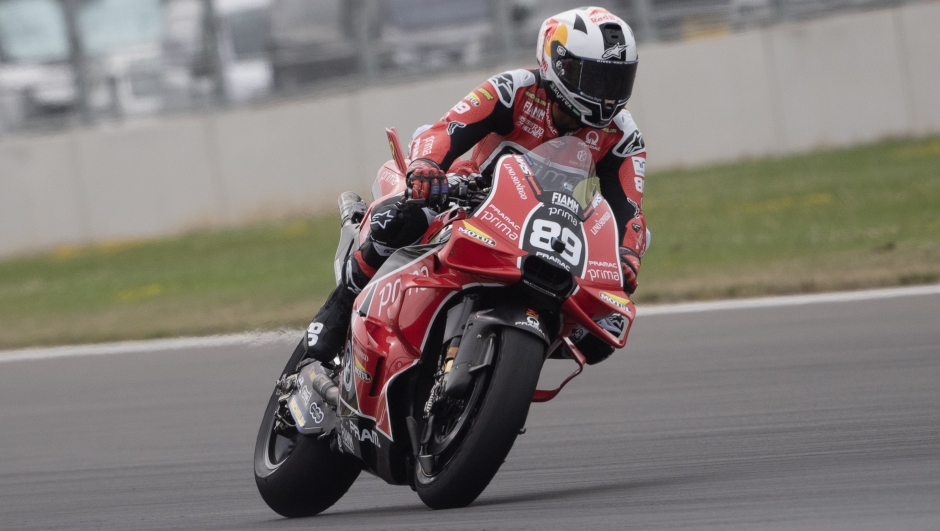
x=631 y=142
x=508 y=83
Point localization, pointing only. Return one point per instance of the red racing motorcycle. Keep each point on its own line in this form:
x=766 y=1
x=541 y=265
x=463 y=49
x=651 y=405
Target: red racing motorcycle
x=447 y=341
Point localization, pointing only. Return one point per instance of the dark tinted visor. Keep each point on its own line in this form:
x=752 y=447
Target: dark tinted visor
x=595 y=79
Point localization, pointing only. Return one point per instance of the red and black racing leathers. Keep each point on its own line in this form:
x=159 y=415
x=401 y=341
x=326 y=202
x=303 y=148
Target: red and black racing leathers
x=511 y=113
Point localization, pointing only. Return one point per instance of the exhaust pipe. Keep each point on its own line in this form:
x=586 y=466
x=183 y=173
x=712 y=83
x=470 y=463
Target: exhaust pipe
x=324 y=386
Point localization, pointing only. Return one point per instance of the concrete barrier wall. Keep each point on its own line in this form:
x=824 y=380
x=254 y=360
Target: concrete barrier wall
x=790 y=88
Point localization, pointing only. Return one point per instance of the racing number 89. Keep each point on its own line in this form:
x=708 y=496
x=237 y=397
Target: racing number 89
x=544 y=230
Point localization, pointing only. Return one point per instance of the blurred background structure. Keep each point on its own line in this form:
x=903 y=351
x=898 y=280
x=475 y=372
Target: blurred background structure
x=794 y=146
x=69 y=62
x=140 y=118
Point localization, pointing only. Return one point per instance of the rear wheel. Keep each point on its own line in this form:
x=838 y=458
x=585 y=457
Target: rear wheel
x=299 y=475
x=471 y=437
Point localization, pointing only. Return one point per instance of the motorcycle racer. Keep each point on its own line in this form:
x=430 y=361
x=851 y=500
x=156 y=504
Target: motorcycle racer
x=587 y=62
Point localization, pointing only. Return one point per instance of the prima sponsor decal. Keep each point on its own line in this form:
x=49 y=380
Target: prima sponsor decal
x=618 y=302
x=473 y=99
x=603 y=274
x=536 y=112
x=389 y=293
x=603 y=270
x=564 y=213
x=500 y=221
x=389 y=176
x=599 y=224
x=476 y=233
x=427 y=146
x=639 y=166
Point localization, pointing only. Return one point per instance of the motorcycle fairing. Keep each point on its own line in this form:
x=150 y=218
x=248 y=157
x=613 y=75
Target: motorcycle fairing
x=390 y=322
x=393 y=317
x=389 y=181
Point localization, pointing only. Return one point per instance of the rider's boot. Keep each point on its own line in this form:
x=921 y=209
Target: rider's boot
x=393 y=224
x=326 y=334
x=595 y=349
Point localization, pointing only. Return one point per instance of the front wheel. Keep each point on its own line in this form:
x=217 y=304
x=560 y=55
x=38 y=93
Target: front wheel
x=299 y=475
x=478 y=433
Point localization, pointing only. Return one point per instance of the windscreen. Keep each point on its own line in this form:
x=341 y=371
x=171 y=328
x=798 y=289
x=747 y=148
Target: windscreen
x=565 y=165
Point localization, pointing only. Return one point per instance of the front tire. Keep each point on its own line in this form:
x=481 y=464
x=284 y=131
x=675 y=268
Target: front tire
x=493 y=426
x=299 y=476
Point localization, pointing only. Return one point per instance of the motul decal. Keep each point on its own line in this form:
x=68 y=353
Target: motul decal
x=617 y=301
x=476 y=233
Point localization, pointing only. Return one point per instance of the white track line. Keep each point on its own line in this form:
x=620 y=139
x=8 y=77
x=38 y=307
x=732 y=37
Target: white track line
x=267 y=338
x=148 y=346
x=788 y=300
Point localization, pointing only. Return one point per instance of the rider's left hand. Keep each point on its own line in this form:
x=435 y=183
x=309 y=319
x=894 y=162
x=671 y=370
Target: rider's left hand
x=427 y=183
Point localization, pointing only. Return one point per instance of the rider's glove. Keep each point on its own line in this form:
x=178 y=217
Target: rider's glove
x=427 y=183
x=630 y=262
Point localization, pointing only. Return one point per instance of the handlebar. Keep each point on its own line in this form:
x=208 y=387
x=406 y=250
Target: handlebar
x=466 y=193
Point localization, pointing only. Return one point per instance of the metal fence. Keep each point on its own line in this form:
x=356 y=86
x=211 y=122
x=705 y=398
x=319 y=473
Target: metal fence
x=71 y=62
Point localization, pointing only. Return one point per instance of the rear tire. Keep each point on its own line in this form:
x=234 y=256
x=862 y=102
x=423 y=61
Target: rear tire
x=299 y=476
x=494 y=426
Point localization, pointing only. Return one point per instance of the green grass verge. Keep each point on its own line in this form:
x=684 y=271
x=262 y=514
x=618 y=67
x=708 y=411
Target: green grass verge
x=843 y=219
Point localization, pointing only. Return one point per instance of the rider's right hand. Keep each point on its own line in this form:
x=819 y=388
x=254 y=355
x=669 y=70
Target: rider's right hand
x=426 y=183
x=631 y=267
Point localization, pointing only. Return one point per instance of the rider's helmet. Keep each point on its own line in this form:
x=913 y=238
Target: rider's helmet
x=588 y=61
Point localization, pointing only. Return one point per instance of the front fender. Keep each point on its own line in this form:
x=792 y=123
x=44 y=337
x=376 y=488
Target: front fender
x=472 y=356
x=513 y=316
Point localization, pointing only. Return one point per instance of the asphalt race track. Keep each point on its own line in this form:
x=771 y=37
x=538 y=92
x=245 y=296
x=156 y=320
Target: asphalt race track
x=824 y=416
